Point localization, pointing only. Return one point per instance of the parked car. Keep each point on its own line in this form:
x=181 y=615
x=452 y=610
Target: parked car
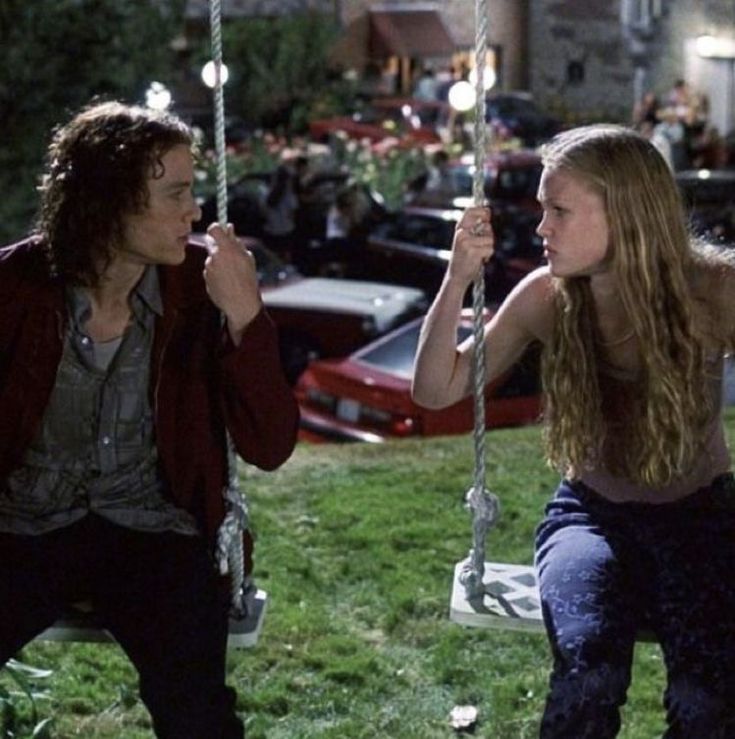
x=511 y=177
x=413 y=247
x=709 y=196
x=367 y=396
x=327 y=317
x=515 y=115
x=413 y=122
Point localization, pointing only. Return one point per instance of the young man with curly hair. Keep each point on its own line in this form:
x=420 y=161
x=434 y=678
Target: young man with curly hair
x=119 y=381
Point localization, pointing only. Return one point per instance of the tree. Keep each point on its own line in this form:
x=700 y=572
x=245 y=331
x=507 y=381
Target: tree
x=280 y=69
x=57 y=55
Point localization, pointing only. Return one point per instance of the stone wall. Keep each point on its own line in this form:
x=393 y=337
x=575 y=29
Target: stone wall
x=578 y=59
x=580 y=64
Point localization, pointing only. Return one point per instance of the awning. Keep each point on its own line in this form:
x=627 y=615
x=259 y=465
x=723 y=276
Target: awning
x=409 y=33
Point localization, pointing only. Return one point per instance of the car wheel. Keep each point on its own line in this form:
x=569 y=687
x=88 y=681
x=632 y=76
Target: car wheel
x=297 y=350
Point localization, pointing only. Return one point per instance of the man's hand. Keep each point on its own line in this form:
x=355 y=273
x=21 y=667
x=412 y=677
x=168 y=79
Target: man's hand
x=231 y=279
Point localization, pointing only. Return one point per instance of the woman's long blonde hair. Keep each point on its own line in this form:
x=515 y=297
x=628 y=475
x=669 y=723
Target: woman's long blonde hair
x=651 y=256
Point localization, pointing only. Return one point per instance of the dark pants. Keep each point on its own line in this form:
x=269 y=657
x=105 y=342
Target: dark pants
x=607 y=569
x=157 y=593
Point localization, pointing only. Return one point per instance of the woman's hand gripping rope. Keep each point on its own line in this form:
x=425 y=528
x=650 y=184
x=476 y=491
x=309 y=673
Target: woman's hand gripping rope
x=473 y=245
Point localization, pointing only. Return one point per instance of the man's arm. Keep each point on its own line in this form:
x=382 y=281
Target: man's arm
x=231 y=278
x=260 y=410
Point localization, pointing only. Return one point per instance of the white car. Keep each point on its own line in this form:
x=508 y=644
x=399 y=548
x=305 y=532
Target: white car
x=328 y=317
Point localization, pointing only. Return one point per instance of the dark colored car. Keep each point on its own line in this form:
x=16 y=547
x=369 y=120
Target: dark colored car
x=514 y=115
x=367 y=396
x=244 y=205
x=709 y=196
x=413 y=247
x=511 y=177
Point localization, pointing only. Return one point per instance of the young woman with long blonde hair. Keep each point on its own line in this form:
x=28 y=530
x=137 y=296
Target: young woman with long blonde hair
x=635 y=318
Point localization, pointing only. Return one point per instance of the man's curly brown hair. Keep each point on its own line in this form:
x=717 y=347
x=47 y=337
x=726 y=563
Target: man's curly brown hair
x=96 y=175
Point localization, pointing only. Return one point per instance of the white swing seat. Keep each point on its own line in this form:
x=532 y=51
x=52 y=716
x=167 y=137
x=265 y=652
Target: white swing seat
x=510 y=600
x=81 y=625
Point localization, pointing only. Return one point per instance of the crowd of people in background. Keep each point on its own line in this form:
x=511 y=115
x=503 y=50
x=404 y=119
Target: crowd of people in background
x=298 y=211
x=678 y=126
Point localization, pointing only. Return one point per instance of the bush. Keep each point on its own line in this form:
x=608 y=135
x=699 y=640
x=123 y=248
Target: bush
x=57 y=54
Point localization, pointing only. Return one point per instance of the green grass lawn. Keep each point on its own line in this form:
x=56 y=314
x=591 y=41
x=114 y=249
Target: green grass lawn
x=356 y=548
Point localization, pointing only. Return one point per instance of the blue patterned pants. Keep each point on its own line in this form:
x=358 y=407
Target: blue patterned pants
x=608 y=569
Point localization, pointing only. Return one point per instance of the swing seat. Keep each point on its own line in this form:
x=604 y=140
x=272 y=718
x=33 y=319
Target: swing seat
x=81 y=624
x=510 y=600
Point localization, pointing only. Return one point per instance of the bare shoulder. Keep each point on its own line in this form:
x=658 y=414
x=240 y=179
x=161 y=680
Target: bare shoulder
x=530 y=304
x=713 y=279
x=712 y=282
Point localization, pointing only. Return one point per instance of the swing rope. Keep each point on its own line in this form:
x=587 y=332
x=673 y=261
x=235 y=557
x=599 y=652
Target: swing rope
x=229 y=549
x=483 y=504
x=487 y=594
x=490 y=594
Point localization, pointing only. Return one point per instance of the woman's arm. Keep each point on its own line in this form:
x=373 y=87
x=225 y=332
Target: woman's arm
x=720 y=295
x=442 y=371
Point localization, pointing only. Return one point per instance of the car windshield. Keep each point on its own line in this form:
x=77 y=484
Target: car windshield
x=425 y=230
x=380 y=116
x=509 y=183
x=518 y=182
x=708 y=199
x=513 y=106
x=396 y=355
x=700 y=191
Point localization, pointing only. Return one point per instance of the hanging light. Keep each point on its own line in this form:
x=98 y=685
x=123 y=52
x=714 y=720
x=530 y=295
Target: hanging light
x=489 y=78
x=462 y=96
x=209 y=75
x=157 y=96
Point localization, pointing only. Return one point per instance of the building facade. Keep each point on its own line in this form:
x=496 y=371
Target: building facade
x=594 y=58
x=453 y=19
x=585 y=59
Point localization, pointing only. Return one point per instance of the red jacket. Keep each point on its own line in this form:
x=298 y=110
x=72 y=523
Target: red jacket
x=199 y=381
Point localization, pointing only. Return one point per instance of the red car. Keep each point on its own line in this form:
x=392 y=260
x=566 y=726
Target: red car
x=367 y=396
x=412 y=122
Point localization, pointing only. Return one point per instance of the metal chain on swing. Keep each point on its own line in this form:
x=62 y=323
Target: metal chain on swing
x=484 y=505
x=229 y=549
